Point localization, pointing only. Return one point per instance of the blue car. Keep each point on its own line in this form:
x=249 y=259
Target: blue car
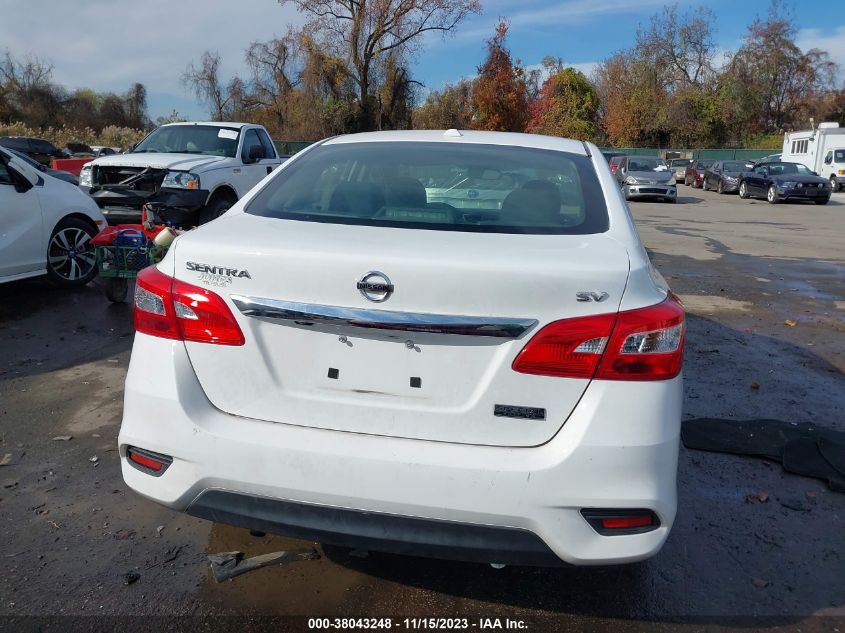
x=779 y=182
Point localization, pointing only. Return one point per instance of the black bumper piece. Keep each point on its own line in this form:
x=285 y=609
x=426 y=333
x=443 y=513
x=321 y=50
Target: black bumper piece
x=122 y=205
x=375 y=531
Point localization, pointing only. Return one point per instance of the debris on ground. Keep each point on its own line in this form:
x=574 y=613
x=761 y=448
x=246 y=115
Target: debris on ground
x=795 y=503
x=63 y=438
x=790 y=323
x=7 y=459
x=227 y=565
x=757 y=497
x=802 y=449
x=124 y=534
x=131 y=577
x=159 y=530
x=755 y=385
x=94 y=459
x=760 y=583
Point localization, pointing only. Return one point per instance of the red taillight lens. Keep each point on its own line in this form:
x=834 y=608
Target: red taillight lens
x=647 y=344
x=643 y=344
x=170 y=308
x=571 y=348
x=613 y=168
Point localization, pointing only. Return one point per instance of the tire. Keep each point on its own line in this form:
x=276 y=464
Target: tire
x=116 y=289
x=719 y=188
x=834 y=186
x=214 y=209
x=70 y=256
x=670 y=200
x=772 y=195
x=743 y=190
x=704 y=186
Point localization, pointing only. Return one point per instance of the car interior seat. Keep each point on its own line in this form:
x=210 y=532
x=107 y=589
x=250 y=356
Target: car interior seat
x=357 y=199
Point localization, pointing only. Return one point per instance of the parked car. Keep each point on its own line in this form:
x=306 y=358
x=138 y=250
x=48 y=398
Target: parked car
x=777 y=182
x=646 y=177
x=38 y=149
x=55 y=173
x=46 y=225
x=339 y=359
x=771 y=158
x=694 y=173
x=723 y=175
x=679 y=166
x=200 y=169
x=614 y=163
x=102 y=150
x=611 y=155
x=77 y=150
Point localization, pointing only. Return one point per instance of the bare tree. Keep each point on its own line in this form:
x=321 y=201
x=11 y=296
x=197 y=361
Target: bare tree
x=681 y=45
x=204 y=80
x=365 y=31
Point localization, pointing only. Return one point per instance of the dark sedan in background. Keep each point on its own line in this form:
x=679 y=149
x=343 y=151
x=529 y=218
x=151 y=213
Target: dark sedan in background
x=779 y=182
x=723 y=175
x=694 y=175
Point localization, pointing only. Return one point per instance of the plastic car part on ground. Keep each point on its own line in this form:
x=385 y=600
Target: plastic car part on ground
x=803 y=449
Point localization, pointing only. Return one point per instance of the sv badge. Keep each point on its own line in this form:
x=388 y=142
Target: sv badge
x=598 y=297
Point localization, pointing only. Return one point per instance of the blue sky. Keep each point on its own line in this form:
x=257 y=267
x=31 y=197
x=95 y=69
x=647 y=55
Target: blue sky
x=108 y=44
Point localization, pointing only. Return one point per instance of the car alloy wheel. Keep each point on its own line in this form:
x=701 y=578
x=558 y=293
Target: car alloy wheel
x=719 y=188
x=772 y=195
x=70 y=255
x=743 y=190
x=834 y=186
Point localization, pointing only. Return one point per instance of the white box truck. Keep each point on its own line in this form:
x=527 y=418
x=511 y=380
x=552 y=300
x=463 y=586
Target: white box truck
x=821 y=149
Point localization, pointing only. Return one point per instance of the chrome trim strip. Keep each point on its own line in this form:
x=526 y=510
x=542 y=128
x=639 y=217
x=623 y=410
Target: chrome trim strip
x=313 y=314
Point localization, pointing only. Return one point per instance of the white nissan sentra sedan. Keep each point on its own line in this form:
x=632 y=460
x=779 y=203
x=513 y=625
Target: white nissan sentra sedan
x=442 y=344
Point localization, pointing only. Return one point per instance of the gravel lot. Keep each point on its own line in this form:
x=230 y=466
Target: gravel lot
x=72 y=530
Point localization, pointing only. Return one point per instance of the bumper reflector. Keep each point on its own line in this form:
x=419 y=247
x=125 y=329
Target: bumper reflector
x=609 y=522
x=146 y=461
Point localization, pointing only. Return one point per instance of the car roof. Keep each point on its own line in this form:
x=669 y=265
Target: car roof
x=212 y=124
x=536 y=141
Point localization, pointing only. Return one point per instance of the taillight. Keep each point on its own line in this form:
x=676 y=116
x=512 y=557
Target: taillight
x=642 y=344
x=170 y=308
x=613 y=168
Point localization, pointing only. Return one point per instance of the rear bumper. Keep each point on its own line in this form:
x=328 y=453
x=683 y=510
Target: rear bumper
x=650 y=191
x=513 y=505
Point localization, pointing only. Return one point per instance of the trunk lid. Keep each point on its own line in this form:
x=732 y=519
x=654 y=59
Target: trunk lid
x=407 y=379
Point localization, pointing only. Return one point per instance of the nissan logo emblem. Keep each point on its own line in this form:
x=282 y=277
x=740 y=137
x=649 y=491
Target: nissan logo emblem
x=375 y=286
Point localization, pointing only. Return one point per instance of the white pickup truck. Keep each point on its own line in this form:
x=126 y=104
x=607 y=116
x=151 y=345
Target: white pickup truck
x=197 y=170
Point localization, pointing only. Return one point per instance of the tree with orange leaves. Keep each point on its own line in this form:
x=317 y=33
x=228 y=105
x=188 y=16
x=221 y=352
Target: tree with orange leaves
x=499 y=95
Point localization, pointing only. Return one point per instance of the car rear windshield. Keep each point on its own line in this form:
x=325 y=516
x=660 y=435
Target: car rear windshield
x=191 y=139
x=439 y=186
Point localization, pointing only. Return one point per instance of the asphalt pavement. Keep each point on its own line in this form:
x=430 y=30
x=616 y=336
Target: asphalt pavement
x=752 y=547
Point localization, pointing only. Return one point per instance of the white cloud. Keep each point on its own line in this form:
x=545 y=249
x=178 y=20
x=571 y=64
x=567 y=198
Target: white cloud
x=107 y=44
x=560 y=13
x=831 y=41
